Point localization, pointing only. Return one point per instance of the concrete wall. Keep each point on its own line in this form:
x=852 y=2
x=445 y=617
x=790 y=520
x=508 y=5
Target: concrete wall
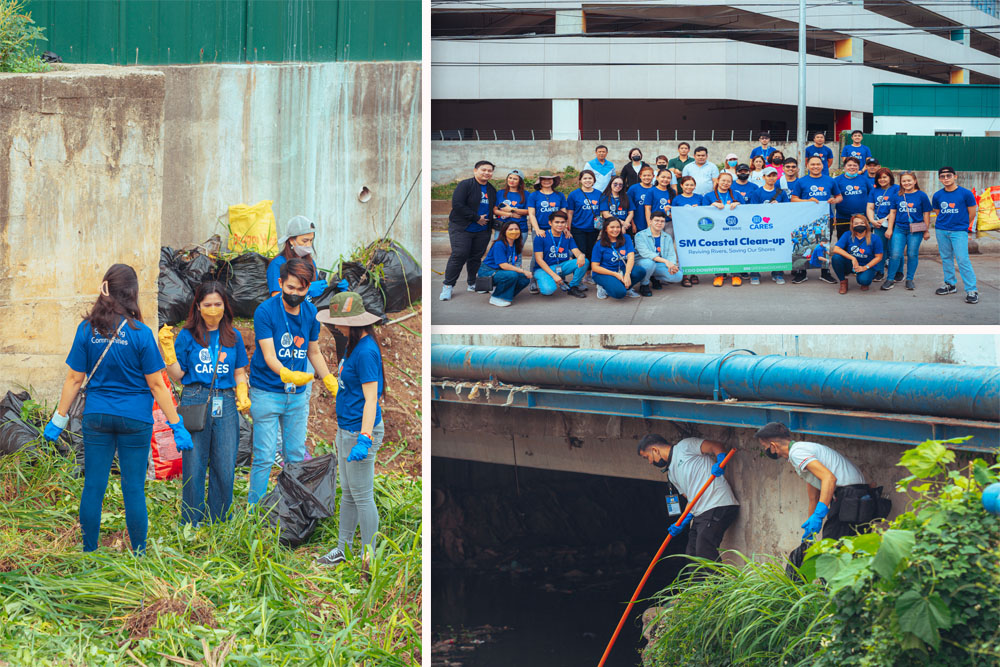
x=81 y=164
x=308 y=136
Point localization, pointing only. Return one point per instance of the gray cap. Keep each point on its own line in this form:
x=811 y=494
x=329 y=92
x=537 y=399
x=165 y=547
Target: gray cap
x=768 y=170
x=297 y=226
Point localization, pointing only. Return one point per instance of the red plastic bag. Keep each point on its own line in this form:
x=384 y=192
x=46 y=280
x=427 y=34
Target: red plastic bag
x=166 y=459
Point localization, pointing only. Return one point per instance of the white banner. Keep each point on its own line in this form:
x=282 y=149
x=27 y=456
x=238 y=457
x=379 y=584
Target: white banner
x=750 y=237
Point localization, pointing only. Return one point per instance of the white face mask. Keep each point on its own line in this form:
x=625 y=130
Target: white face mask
x=302 y=250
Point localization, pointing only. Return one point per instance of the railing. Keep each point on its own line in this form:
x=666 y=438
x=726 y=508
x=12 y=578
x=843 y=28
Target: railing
x=470 y=134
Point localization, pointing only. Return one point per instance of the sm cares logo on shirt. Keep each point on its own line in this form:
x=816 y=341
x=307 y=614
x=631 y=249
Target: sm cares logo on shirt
x=286 y=339
x=204 y=356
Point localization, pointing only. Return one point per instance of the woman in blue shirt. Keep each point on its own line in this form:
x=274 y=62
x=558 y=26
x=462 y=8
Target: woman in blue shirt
x=639 y=195
x=503 y=262
x=615 y=204
x=854 y=195
x=859 y=252
x=208 y=338
x=584 y=208
x=512 y=202
x=360 y=428
x=720 y=197
x=879 y=204
x=910 y=205
x=613 y=263
x=688 y=198
x=118 y=352
x=296 y=243
x=661 y=195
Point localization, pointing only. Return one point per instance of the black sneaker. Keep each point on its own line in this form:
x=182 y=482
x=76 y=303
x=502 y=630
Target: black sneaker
x=946 y=288
x=879 y=276
x=888 y=285
x=577 y=292
x=972 y=297
x=533 y=288
x=645 y=291
x=899 y=276
x=655 y=283
x=800 y=278
x=335 y=556
x=826 y=277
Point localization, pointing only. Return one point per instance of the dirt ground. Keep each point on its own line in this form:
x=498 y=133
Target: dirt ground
x=401 y=355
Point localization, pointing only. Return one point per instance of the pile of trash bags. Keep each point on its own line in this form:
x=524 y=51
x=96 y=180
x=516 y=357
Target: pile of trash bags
x=17 y=434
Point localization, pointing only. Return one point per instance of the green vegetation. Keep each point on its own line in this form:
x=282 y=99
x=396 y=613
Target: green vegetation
x=566 y=186
x=923 y=589
x=18 y=34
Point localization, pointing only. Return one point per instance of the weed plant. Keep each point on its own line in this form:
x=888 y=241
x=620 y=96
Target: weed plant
x=18 y=34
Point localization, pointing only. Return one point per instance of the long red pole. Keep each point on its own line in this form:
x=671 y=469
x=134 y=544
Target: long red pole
x=652 y=564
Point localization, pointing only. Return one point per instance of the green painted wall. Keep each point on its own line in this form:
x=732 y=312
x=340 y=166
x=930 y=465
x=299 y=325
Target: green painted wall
x=896 y=99
x=165 y=32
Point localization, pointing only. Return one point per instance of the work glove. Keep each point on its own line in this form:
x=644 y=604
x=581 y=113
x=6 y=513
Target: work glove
x=676 y=530
x=242 y=397
x=298 y=378
x=359 y=452
x=331 y=384
x=342 y=286
x=181 y=436
x=316 y=288
x=55 y=426
x=717 y=468
x=815 y=521
x=166 y=336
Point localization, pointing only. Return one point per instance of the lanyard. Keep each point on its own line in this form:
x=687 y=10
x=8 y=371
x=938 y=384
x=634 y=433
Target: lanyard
x=284 y=314
x=214 y=349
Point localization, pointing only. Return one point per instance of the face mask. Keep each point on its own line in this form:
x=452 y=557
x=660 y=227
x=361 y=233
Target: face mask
x=212 y=314
x=662 y=463
x=860 y=229
x=636 y=158
x=770 y=454
x=732 y=163
x=742 y=176
x=302 y=250
x=293 y=300
x=661 y=167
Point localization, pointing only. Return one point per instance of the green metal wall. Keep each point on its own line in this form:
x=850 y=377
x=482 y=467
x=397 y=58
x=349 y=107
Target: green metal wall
x=902 y=99
x=932 y=153
x=163 y=32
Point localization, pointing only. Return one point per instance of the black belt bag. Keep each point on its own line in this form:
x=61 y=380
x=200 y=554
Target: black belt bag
x=860 y=503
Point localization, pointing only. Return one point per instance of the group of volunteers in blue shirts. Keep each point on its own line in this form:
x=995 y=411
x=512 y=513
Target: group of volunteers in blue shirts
x=581 y=250
x=119 y=362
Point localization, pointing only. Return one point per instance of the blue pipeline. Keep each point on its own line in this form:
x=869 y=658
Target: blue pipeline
x=943 y=390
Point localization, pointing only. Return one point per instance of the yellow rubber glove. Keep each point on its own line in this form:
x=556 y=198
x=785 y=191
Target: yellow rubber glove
x=331 y=384
x=298 y=378
x=166 y=336
x=242 y=397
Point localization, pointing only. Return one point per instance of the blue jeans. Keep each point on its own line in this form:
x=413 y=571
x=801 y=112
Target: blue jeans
x=881 y=266
x=506 y=284
x=357 y=488
x=616 y=288
x=273 y=412
x=214 y=451
x=843 y=268
x=904 y=240
x=102 y=436
x=658 y=270
x=954 y=250
x=546 y=285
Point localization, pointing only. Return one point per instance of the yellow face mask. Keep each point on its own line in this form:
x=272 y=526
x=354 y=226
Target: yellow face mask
x=212 y=314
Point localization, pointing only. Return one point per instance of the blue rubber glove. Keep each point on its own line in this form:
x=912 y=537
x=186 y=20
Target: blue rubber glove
x=676 y=530
x=359 y=452
x=815 y=521
x=717 y=468
x=55 y=426
x=316 y=288
x=342 y=286
x=181 y=436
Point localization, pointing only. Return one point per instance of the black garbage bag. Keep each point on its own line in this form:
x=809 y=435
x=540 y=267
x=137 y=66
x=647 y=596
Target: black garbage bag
x=245 y=278
x=303 y=495
x=174 y=295
x=244 y=455
x=15 y=433
x=195 y=267
x=400 y=277
x=358 y=281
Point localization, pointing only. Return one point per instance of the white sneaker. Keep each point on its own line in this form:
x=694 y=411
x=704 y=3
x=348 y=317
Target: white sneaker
x=601 y=293
x=471 y=288
x=494 y=301
x=589 y=279
x=446 y=293
x=632 y=294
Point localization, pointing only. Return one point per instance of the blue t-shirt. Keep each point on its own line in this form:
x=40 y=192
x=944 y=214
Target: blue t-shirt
x=763 y=152
x=612 y=257
x=515 y=200
x=546 y=205
x=817 y=255
x=855 y=191
x=119 y=386
x=196 y=361
x=291 y=335
x=745 y=190
x=555 y=250
x=821 y=188
x=684 y=200
x=863 y=251
x=616 y=206
x=822 y=151
x=660 y=200
x=362 y=365
x=484 y=209
x=861 y=152
x=953 y=209
x=909 y=207
x=725 y=197
x=762 y=196
x=274 y=273
x=586 y=208
x=640 y=196
x=499 y=253
x=882 y=198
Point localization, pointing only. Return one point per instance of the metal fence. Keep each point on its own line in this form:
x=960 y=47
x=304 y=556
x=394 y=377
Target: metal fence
x=471 y=134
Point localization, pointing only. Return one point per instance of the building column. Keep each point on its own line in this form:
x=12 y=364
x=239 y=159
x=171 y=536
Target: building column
x=850 y=50
x=566 y=119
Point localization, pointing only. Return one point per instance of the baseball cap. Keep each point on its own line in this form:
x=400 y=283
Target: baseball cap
x=871 y=160
x=769 y=170
x=946 y=170
x=297 y=226
x=732 y=156
x=742 y=167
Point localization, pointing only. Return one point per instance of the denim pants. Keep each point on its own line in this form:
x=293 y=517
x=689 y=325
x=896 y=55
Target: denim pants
x=272 y=413
x=843 y=268
x=214 y=451
x=904 y=240
x=357 y=488
x=467 y=249
x=615 y=288
x=954 y=249
x=546 y=285
x=881 y=266
x=102 y=436
x=659 y=271
x=506 y=284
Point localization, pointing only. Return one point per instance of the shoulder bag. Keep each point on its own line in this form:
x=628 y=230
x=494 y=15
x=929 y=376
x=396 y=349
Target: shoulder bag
x=196 y=416
x=917 y=226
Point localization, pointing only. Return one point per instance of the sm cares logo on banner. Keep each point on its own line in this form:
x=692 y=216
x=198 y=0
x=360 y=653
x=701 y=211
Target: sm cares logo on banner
x=706 y=224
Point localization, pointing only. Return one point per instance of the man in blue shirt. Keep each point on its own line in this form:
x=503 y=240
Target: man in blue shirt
x=871 y=168
x=955 y=208
x=855 y=149
x=818 y=148
x=764 y=150
x=604 y=169
x=469 y=226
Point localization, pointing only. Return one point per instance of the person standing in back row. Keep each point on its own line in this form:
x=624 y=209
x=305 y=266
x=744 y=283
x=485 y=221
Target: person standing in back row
x=818 y=148
x=603 y=168
x=630 y=172
x=469 y=227
x=705 y=173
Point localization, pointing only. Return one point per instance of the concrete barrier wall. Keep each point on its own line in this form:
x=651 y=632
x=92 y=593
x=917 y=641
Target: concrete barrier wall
x=81 y=162
x=308 y=136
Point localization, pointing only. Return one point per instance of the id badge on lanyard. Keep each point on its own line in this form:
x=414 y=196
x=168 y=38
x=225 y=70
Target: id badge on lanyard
x=216 y=400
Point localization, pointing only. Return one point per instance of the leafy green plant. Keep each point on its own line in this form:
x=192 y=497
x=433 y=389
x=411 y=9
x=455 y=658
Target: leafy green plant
x=18 y=34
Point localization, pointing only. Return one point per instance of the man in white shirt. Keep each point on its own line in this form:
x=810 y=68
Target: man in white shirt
x=604 y=169
x=688 y=465
x=705 y=173
x=836 y=489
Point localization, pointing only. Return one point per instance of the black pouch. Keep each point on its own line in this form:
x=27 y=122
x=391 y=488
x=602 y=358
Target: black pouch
x=882 y=508
x=484 y=283
x=866 y=509
x=849 y=508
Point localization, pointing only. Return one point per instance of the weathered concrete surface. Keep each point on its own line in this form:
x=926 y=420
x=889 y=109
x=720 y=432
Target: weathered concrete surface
x=81 y=158
x=308 y=136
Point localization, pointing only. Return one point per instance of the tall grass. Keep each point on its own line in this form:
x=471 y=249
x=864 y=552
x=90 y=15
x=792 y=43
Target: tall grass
x=748 y=614
x=223 y=593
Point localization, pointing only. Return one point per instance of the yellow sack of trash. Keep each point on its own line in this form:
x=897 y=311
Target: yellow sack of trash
x=988 y=203
x=253 y=228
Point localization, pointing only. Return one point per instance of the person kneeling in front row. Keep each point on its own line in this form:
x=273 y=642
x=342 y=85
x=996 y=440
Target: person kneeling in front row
x=556 y=257
x=859 y=252
x=657 y=257
x=613 y=263
x=503 y=264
